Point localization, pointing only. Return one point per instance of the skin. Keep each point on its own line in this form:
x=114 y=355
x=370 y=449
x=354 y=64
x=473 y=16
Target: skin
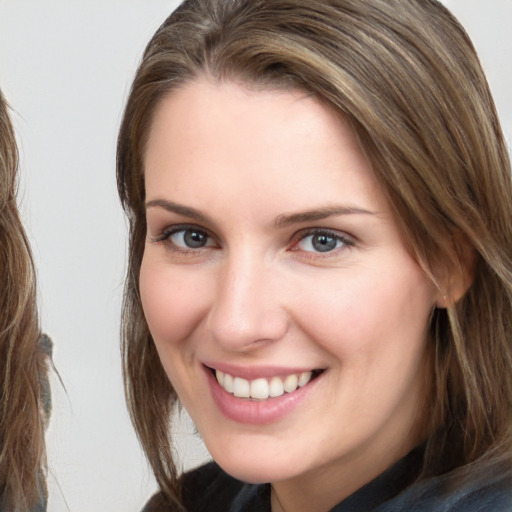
x=259 y=294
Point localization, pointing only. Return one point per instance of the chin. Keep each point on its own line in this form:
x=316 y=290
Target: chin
x=253 y=474
x=251 y=468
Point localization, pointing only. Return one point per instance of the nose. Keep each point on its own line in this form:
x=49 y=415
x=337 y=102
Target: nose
x=248 y=309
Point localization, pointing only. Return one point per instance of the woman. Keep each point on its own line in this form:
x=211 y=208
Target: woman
x=25 y=397
x=320 y=210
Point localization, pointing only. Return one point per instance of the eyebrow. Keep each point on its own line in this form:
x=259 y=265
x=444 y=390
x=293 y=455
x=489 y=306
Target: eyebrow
x=319 y=214
x=282 y=220
x=180 y=209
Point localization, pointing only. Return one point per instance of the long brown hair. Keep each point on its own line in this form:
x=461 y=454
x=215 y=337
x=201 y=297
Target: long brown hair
x=23 y=357
x=406 y=75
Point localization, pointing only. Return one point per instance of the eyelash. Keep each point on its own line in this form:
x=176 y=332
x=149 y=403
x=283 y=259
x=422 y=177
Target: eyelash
x=302 y=235
x=297 y=238
x=168 y=233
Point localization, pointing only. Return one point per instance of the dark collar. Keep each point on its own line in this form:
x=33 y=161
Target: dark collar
x=256 y=498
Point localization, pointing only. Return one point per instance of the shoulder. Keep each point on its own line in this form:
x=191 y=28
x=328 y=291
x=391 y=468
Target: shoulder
x=491 y=490
x=495 y=495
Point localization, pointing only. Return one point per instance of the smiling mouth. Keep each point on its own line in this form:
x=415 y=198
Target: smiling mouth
x=263 y=388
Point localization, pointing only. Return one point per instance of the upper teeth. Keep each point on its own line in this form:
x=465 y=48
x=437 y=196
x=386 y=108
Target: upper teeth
x=262 y=388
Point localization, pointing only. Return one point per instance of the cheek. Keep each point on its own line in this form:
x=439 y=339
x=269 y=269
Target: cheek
x=171 y=303
x=371 y=314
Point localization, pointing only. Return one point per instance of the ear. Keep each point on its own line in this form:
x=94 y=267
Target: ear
x=458 y=273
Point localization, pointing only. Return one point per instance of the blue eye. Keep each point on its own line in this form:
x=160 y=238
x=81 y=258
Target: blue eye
x=321 y=242
x=190 y=238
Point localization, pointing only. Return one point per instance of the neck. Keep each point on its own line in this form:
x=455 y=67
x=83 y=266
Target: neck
x=308 y=493
x=321 y=490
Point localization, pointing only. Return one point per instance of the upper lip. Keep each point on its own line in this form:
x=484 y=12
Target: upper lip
x=255 y=372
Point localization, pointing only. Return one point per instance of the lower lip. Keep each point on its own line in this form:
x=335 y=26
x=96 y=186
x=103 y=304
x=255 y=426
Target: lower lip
x=256 y=412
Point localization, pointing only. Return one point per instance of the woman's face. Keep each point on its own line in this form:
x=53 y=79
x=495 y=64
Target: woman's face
x=273 y=264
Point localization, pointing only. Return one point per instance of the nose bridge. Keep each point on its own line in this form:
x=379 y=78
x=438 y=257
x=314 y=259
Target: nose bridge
x=247 y=306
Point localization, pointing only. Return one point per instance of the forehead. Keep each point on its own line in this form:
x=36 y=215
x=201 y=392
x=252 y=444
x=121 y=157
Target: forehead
x=203 y=104
x=256 y=140
x=204 y=99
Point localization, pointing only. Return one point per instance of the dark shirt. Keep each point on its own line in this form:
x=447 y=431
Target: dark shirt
x=210 y=489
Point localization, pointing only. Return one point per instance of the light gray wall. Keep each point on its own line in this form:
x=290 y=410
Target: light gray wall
x=65 y=66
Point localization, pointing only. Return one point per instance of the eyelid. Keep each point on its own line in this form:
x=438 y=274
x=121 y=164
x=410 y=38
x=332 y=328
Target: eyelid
x=167 y=232
x=348 y=240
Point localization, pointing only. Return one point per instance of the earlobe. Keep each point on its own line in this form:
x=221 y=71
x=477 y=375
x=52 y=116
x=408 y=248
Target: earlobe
x=441 y=302
x=458 y=272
